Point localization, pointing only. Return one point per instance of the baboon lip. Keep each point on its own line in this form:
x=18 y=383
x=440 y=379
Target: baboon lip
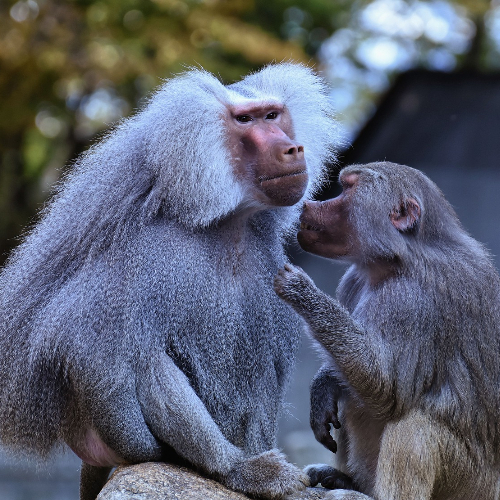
x=265 y=178
x=307 y=227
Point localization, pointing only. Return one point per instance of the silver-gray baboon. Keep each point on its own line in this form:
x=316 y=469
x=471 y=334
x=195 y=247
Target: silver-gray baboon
x=412 y=376
x=138 y=320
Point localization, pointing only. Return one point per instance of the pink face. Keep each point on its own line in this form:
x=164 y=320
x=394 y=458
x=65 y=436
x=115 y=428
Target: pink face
x=324 y=226
x=265 y=155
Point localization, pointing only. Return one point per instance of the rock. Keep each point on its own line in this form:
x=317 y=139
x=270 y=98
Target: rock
x=161 y=481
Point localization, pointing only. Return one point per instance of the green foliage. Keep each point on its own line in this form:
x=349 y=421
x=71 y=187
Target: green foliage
x=69 y=68
x=36 y=151
x=306 y=22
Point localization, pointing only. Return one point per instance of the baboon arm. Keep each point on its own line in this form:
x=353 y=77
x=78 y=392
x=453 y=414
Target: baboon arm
x=351 y=347
x=177 y=416
x=365 y=369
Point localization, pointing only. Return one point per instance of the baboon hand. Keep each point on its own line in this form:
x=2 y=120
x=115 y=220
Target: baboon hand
x=325 y=393
x=292 y=284
x=268 y=475
x=328 y=477
x=320 y=423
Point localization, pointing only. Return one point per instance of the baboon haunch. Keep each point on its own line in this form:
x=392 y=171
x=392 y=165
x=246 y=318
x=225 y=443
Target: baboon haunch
x=412 y=345
x=138 y=318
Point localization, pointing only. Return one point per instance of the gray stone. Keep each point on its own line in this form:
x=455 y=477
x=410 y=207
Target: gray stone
x=160 y=481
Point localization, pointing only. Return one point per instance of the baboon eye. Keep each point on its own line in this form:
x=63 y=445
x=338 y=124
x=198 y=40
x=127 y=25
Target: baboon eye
x=272 y=116
x=244 y=118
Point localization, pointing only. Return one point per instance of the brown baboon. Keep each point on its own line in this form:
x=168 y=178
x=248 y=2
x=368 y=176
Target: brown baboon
x=412 y=376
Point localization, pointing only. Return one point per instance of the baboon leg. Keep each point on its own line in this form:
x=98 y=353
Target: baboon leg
x=409 y=458
x=92 y=480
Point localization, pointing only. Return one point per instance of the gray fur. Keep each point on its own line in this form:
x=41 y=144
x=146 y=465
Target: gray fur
x=413 y=361
x=141 y=304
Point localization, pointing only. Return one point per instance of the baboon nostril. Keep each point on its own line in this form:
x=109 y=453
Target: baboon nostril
x=293 y=151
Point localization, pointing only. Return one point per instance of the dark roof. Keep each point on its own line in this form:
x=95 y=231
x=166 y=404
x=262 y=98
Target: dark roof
x=431 y=119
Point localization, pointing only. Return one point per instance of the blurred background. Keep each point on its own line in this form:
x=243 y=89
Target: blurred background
x=413 y=81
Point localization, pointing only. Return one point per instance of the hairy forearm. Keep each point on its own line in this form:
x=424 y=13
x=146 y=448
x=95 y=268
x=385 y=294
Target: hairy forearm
x=351 y=347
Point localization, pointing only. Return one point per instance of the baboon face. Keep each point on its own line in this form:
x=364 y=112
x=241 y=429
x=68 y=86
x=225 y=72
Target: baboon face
x=265 y=155
x=325 y=227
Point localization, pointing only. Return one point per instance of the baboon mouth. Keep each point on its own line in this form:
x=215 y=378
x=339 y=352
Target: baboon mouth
x=308 y=227
x=265 y=178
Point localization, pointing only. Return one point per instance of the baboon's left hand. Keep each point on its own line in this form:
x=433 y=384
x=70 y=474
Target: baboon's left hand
x=292 y=283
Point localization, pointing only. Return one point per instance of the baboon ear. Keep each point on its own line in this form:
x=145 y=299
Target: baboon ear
x=405 y=218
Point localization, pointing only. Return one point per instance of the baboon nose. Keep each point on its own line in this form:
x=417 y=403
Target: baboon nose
x=290 y=152
x=295 y=150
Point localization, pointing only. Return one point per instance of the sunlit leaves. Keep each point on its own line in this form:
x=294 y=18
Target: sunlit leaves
x=68 y=69
x=237 y=37
x=36 y=153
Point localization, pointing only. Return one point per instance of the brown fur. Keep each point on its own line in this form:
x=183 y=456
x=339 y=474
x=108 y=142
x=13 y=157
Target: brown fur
x=412 y=344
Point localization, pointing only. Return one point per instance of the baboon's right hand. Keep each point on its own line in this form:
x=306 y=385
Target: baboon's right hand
x=268 y=475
